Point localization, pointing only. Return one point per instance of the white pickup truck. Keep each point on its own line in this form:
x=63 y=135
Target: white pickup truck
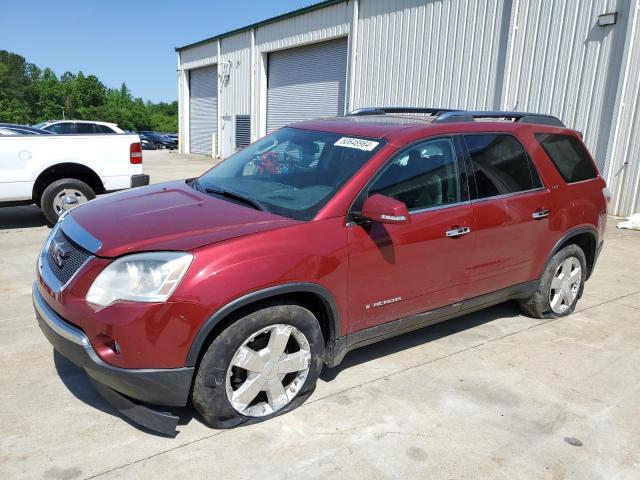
x=58 y=172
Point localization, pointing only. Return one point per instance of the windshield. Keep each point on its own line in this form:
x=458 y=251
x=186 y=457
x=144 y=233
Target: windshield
x=291 y=172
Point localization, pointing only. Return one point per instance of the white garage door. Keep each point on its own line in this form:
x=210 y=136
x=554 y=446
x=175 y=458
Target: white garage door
x=306 y=82
x=203 y=108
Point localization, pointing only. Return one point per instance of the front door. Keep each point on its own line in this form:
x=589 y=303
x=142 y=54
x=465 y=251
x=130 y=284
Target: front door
x=396 y=271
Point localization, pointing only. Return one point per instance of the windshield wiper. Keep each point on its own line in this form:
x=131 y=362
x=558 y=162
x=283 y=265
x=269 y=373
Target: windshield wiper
x=237 y=196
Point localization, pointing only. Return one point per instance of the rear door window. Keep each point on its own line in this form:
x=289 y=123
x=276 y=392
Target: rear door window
x=569 y=156
x=84 y=128
x=500 y=165
x=103 y=129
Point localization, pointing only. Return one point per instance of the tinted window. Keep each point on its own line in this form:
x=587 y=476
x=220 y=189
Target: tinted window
x=424 y=176
x=84 y=128
x=66 y=127
x=569 y=156
x=500 y=165
x=103 y=129
x=292 y=172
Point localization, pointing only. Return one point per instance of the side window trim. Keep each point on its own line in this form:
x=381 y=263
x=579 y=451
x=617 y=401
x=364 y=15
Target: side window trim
x=462 y=177
x=473 y=188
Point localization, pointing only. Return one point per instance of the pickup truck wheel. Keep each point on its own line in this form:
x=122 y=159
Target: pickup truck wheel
x=561 y=285
x=63 y=195
x=263 y=365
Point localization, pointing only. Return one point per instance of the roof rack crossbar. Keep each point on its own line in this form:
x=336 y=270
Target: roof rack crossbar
x=387 y=110
x=519 y=117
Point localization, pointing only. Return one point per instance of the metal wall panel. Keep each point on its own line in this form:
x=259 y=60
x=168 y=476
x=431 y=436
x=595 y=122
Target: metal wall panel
x=315 y=26
x=306 y=82
x=447 y=53
x=203 y=108
x=235 y=92
x=623 y=168
x=199 y=56
x=561 y=62
x=547 y=56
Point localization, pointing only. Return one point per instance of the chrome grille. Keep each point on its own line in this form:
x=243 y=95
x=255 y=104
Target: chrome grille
x=65 y=257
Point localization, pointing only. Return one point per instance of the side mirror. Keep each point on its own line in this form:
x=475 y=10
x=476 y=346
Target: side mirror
x=383 y=209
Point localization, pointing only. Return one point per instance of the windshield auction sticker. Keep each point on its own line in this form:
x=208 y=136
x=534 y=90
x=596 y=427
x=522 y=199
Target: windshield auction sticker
x=359 y=143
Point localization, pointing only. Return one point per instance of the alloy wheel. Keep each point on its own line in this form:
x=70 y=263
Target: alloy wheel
x=268 y=370
x=565 y=285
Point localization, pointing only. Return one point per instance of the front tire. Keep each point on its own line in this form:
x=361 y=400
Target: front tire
x=561 y=285
x=264 y=364
x=62 y=195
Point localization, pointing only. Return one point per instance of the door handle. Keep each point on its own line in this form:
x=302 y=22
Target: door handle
x=457 y=231
x=538 y=214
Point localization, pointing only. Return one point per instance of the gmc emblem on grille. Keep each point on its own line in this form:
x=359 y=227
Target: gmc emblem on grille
x=59 y=253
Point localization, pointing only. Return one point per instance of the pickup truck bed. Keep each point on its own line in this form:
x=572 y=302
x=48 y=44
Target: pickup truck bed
x=56 y=172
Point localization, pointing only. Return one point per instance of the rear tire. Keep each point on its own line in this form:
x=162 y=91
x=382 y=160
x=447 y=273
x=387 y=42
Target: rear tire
x=63 y=195
x=561 y=285
x=263 y=365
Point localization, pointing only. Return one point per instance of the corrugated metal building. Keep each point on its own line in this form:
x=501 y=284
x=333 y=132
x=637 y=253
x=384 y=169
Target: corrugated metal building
x=561 y=57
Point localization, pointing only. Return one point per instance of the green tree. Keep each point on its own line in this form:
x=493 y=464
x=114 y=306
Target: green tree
x=30 y=95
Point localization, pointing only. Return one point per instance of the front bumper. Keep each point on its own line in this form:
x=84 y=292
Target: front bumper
x=139 y=180
x=167 y=387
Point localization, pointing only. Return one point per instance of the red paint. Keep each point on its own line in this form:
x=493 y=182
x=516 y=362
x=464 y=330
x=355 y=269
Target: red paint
x=238 y=250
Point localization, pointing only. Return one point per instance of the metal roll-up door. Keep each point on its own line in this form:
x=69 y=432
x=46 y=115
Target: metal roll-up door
x=306 y=82
x=203 y=108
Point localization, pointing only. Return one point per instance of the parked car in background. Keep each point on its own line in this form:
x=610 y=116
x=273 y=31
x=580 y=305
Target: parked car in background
x=161 y=139
x=148 y=144
x=231 y=290
x=59 y=172
x=79 y=127
x=23 y=129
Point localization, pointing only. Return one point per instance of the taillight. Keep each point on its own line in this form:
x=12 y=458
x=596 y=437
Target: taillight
x=135 y=153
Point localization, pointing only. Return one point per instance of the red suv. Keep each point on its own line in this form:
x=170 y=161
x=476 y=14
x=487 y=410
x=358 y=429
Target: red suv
x=232 y=290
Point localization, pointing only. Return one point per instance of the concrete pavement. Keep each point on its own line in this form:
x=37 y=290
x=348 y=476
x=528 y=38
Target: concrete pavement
x=493 y=394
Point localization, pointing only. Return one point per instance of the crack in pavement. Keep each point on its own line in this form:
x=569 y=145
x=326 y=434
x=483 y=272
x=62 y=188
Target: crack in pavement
x=368 y=382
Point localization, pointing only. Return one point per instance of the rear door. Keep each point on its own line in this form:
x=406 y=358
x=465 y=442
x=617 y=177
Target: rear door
x=396 y=271
x=512 y=211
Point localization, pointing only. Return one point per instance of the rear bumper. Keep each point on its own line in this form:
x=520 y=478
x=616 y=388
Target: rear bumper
x=167 y=387
x=139 y=180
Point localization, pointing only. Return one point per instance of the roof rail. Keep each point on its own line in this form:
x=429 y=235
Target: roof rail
x=445 y=115
x=386 y=110
x=519 y=117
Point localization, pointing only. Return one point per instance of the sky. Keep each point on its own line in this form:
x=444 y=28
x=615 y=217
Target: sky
x=124 y=41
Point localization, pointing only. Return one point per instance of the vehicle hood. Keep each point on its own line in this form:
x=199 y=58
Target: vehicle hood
x=168 y=216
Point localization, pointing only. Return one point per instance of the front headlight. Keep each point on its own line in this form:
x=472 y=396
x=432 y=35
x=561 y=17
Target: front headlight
x=141 y=277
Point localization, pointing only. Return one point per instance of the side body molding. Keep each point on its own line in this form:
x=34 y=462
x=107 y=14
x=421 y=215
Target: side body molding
x=208 y=326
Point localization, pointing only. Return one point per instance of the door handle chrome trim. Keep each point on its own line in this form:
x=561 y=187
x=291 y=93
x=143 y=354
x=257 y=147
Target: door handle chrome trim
x=540 y=214
x=456 y=232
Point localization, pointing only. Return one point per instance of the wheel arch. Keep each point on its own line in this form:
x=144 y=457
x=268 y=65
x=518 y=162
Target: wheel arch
x=315 y=297
x=584 y=237
x=66 y=170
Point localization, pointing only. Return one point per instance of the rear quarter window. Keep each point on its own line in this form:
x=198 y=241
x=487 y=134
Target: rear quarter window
x=569 y=156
